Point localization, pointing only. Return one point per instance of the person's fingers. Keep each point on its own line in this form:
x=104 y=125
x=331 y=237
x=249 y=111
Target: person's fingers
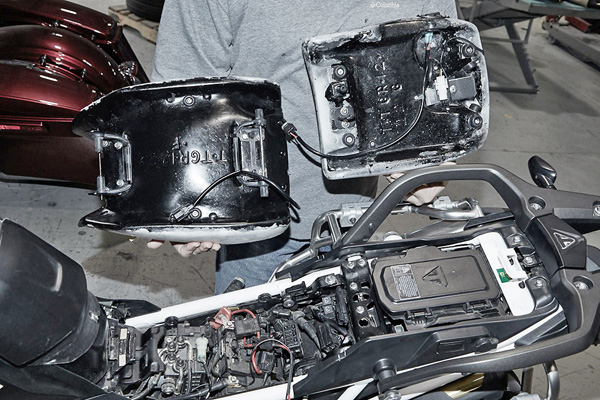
x=425 y=194
x=155 y=244
x=393 y=176
x=186 y=249
x=204 y=246
x=189 y=248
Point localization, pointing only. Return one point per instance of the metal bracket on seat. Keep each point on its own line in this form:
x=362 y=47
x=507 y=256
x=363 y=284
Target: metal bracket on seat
x=123 y=182
x=249 y=151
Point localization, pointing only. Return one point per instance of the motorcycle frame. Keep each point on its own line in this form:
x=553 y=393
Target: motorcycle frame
x=562 y=211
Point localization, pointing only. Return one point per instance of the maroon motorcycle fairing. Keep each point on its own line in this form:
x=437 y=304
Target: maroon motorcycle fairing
x=92 y=25
x=32 y=94
x=37 y=108
x=62 y=52
x=43 y=84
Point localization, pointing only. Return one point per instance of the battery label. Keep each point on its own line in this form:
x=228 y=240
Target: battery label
x=405 y=281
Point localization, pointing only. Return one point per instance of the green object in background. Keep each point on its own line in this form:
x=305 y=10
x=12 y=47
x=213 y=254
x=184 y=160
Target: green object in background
x=503 y=275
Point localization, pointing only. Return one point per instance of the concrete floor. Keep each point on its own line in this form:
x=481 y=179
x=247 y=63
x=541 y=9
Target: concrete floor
x=560 y=124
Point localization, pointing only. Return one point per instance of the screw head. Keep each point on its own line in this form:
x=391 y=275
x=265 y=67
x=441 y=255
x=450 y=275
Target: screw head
x=535 y=206
x=392 y=395
x=517 y=239
x=340 y=71
x=288 y=302
x=330 y=280
x=118 y=145
x=360 y=309
x=348 y=138
x=581 y=285
x=120 y=182
x=195 y=213
x=597 y=210
x=539 y=282
x=529 y=260
x=353 y=286
x=350 y=265
x=188 y=100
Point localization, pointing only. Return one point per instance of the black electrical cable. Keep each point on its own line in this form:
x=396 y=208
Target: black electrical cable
x=290 y=129
x=224 y=178
x=189 y=377
x=465 y=41
x=218 y=386
x=291 y=373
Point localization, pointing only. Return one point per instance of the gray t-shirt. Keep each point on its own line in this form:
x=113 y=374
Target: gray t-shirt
x=260 y=38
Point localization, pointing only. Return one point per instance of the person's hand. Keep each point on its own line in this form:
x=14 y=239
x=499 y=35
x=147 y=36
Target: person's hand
x=187 y=249
x=423 y=194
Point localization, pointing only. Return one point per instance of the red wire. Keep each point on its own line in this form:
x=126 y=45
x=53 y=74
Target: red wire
x=258 y=371
x=244 y=310
x=241 y=310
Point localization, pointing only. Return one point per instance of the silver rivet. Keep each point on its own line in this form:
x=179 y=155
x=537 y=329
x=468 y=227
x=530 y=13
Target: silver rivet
x=118 y=145
x=353 y=286
x=360 y=309
x=582 y=285
x=597 y=210
x=120 y=182
x=330 y=280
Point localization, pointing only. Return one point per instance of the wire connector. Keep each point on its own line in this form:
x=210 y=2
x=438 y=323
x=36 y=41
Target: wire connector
x=289 y=129
x=181 y=213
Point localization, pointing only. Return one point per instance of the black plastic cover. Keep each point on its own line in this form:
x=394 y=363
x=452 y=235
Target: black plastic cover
x=427 y=277
x=43 y=299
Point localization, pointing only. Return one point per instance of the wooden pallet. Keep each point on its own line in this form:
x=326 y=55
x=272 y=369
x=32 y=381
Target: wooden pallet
x=148 y=29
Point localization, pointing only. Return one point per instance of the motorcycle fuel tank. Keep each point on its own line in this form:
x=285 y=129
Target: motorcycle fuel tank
x=398 y=96
x=196 y=160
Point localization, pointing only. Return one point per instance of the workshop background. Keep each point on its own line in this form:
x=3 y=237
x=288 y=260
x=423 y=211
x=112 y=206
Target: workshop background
x=560 y=124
